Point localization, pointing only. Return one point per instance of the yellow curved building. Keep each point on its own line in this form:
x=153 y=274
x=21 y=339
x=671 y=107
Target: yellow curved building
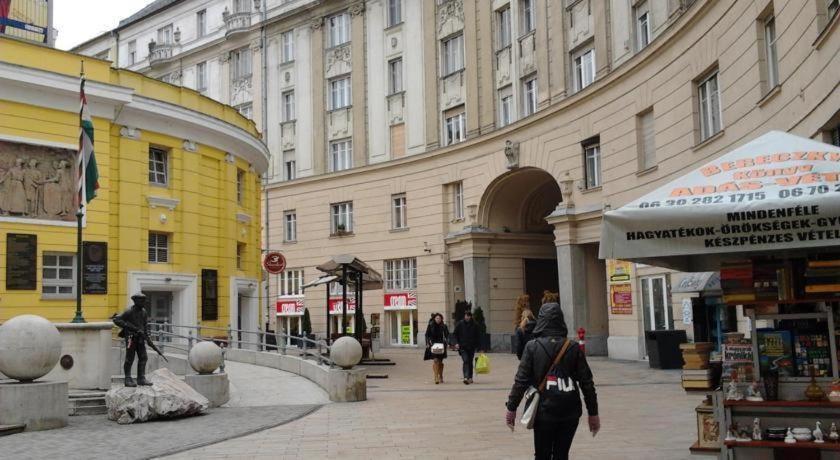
x=177 y=214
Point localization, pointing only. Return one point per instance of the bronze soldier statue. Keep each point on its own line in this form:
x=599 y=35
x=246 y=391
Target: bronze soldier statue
x=135 y=330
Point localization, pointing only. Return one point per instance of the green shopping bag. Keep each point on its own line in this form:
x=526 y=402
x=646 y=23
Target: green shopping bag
x=482 y=364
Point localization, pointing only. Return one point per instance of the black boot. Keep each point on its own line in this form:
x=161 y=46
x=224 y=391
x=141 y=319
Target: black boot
x=129 y=382
x=141 y=380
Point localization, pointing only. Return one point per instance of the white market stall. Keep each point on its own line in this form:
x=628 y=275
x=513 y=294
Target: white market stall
x=767 y=216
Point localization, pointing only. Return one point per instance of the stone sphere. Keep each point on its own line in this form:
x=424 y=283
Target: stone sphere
x=30 y=347
x=205 y=357
x=346 y=352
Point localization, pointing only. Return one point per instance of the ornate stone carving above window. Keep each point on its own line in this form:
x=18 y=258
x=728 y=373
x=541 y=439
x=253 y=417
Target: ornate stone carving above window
x=339 y=60
x=450 y=17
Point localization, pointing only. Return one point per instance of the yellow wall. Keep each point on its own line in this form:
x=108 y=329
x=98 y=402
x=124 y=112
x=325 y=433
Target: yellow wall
x=204 y=227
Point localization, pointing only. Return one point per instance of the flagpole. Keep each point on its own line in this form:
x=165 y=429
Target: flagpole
x=79 y=215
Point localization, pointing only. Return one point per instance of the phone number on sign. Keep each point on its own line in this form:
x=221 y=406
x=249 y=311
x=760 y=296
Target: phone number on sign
x=711 y=199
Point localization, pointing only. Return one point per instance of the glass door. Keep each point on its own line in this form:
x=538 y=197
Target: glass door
x=159 y=305
x=657 y=310
x=403 y=325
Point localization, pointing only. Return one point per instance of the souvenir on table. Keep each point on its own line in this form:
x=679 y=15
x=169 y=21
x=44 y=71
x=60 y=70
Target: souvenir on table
x=802 y=434
x=789 y=439
x=743 y=435
x=756 y=430
x=814 y=392
x=834 y=396
x=776 y=433
x=732 y=433
x=732 y=391
x=833 y=435
x=818 y=434
x=754 y=393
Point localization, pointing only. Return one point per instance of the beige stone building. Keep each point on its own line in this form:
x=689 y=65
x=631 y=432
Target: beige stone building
x=484 y=140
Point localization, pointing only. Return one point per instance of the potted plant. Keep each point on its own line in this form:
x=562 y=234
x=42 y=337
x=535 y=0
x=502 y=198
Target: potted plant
x=307 y=326
x=478 y=317
x=340 y=229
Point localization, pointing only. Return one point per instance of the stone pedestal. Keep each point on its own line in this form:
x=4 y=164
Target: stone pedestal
x=347 y=385
x=38 y=405
x=89 y=347
x=214 y=387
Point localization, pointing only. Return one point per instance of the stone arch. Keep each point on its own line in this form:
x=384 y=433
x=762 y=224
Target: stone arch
x=518 y=202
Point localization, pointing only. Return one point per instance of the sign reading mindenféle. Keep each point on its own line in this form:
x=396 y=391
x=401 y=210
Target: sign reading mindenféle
x=21 y=262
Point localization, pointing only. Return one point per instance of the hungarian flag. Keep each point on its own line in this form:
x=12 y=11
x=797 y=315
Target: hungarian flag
x=88 y=174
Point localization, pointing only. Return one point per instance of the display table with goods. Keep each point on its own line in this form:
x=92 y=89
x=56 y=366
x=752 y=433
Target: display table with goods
x=767 y=216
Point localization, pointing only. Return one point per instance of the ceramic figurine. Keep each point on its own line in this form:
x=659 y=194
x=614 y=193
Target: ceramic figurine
x=732 y=391
x=732 y=434
x=818 y=434
x=789 y=437
x=743 y=435
x=756 y=430
x=833 y=435
x=754 y=393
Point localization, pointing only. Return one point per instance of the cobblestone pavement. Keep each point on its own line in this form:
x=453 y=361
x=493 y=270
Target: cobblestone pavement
x=261 y=398
x=644 y=413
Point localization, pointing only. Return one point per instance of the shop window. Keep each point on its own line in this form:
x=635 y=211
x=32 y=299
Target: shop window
x=708 y=100
x=58 y=275
x=289 y=226
x=158 y=247
x=655 y=303
x=592 y=163
x=403 y=327
x=645 y=140
x=341 y=221
x=399 y=212
x=158 y=171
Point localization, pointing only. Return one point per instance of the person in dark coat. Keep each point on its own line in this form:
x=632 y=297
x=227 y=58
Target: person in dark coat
x=524 y=332
x=437 y=332
x=467 y=338
x=560 y=408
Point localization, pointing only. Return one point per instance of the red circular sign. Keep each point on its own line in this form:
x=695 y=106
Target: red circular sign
x=274 y=263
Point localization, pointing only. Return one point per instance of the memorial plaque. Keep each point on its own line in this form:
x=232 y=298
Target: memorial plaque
x=209 y=295
x=94 y=267
x=21 y=262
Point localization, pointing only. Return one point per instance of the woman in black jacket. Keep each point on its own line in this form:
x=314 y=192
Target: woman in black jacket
x=560 y=408
x=437 y=332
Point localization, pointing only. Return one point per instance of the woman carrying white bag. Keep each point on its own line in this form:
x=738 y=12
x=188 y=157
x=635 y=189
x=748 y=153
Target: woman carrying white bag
x=551 y=375
x=437 y=340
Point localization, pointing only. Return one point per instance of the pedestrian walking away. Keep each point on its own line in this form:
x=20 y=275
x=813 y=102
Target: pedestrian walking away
x=524 y=323
x=467 y=338
x=557 y=367
x=437 y=338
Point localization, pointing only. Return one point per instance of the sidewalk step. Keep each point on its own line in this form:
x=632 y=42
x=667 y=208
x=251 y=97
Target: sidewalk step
x=88 y=410
x=366 y=362
x=377 y=376
x=87 y=402
x=6 y=430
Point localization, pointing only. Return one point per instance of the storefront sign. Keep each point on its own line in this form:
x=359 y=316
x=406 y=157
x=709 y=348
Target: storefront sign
x=290 y=306
x=336 y=305
x=618 y=271
x=406 y=334
x=401 y=300
x=274 y=263
x=21 y=262
x=94 y=267
x=621 y=299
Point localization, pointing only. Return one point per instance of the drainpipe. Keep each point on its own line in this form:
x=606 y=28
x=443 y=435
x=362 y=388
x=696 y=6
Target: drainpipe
x=263 y=9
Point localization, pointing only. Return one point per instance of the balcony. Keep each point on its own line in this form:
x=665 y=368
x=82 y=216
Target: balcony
x=236 y=23
x=160 y=53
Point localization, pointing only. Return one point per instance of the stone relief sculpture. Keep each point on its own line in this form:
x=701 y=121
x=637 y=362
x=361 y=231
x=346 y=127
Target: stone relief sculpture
x=37 y=182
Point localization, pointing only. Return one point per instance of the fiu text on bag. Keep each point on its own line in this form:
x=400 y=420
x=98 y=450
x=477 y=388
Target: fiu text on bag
x=561 y=393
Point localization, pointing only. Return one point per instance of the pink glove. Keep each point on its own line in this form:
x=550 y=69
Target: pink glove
x=510 y=418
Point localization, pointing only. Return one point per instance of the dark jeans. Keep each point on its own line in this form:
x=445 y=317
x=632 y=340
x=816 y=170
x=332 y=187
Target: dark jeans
x=468 y=356
x=552 y=441
x=137 y=347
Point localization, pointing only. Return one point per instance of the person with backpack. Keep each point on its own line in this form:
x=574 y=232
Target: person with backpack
x=557 y=368
x=467 y=339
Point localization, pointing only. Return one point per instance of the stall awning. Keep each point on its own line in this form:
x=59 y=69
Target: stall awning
x=779 y=193
x=371 y=279
x=319 y=281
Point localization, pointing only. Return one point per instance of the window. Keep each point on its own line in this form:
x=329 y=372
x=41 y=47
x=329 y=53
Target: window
x=201 y=77
x=201 y=23
x=592 y=164
x=398 y=212
x=657 y=311
x=288 y=105
x=289 y=283
x=164 y=35
x=397 y=140
x=453 y=54
x=289 y=169
x=584 y=69
x=240 y=186
x=505 y=106
x=290 y=226
x=642 y=27
x=455 y=126
x=157 y=166
x=645 y=140
x=241 y=6
x=158 y=247
x=835 y=136
x=770 y=52
x=394 y=12
x=339 y=27
x=342 y=218
x=341 y=155
x=241 y=63
x=287 y=46
x=401 y=274
x=58 y=274
x=458 y=200
x=395 y=84
x=246 y=110
x=503 y=27
x=132 y=52
x=340 y=96
x=529 y=96
x=526 y=11
x=709 y=100
x=240 y=255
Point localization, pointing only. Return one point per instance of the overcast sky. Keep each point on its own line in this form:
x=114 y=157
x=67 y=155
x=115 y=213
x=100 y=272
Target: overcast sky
x=80 y=20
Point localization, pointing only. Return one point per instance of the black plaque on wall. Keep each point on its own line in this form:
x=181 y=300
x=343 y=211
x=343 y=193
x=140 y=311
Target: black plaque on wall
x=209 y=295
x=94 y=267
x=21 y=262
